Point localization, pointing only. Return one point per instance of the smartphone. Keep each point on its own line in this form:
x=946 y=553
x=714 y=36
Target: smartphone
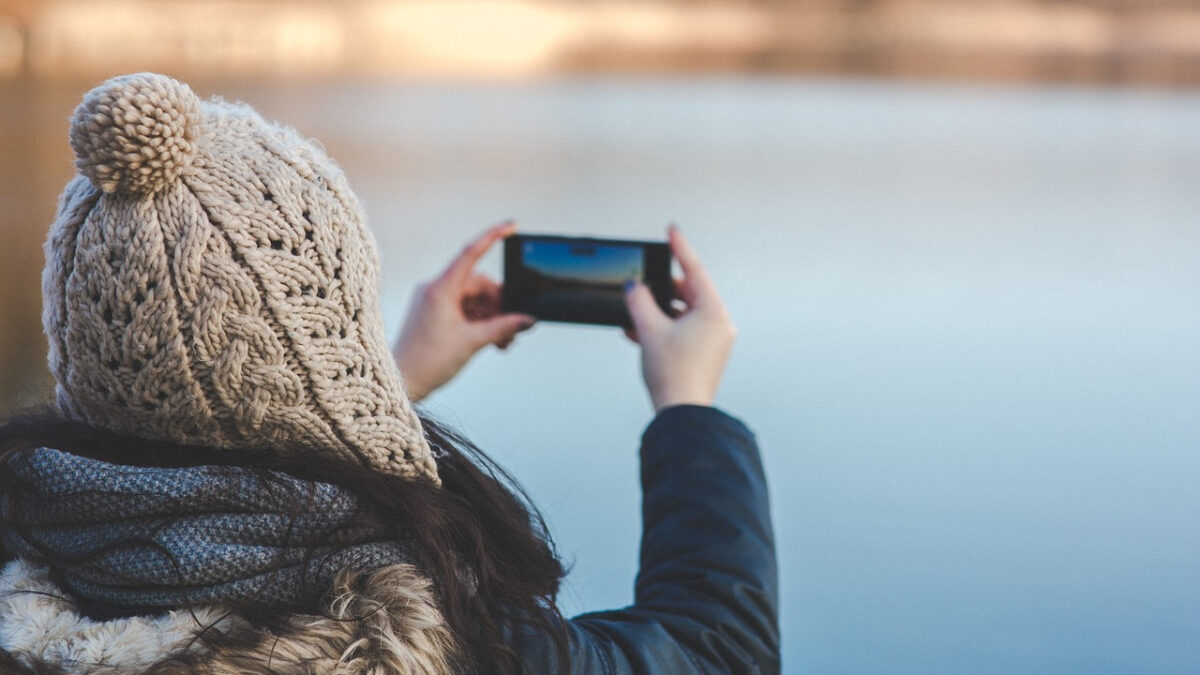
x=580 y=279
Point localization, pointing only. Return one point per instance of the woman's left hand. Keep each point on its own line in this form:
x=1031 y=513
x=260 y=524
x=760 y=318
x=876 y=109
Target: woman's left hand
x=453 y=317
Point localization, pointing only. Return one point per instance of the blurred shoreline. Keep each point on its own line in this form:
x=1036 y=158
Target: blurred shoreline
x=1109 y=41
x=51 y=51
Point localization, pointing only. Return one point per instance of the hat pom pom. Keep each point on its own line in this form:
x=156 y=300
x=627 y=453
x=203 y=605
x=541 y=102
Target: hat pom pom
x=135 y=133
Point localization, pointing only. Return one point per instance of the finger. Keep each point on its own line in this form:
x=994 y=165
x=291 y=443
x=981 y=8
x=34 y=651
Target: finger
x=684 y=292
x=481 y=286
x=480 y=298
x=460 y=268
x=476 y=309
x=631 y=333
x=500 y=328
x=648 y=318
x=696 y=278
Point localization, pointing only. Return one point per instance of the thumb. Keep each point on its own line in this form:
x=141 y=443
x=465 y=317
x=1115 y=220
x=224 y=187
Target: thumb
x=647 y=317
x=501 y=328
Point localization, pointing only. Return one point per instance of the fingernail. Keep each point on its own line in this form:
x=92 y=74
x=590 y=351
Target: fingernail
x=526 y=324
x=629 y=284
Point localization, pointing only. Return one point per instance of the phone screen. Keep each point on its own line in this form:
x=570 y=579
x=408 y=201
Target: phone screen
x=581 y=280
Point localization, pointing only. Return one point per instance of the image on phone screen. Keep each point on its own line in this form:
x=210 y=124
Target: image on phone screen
x=579 y=280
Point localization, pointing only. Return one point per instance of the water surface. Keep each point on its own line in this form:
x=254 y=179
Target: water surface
x=969 y=340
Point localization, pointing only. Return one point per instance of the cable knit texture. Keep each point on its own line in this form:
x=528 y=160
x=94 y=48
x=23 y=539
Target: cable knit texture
x=210 y=280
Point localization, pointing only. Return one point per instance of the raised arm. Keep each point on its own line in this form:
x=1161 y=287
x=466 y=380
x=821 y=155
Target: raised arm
x=706 y=597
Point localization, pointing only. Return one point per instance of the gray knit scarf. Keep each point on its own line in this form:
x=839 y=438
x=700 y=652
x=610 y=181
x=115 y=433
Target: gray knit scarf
x=145 y=537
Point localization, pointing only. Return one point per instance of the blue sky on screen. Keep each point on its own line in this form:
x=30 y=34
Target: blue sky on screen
x=608 y=264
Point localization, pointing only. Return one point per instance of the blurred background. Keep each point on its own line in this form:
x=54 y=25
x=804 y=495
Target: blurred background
x=961 y=240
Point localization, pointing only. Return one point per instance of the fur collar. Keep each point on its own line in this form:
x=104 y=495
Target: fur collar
x=386 y=621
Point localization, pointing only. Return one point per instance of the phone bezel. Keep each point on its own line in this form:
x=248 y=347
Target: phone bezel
x=656 y=271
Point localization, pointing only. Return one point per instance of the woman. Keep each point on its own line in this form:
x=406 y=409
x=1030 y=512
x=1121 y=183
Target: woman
x=234 y=480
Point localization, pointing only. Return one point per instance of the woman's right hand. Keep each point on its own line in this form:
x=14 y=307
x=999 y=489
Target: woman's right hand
x=453 y=317
x=683 y=358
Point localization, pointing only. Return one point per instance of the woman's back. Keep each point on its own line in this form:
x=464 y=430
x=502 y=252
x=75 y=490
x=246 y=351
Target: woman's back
x=234 y=477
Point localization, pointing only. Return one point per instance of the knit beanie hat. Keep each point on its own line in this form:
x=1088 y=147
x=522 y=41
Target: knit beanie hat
x=210 y=280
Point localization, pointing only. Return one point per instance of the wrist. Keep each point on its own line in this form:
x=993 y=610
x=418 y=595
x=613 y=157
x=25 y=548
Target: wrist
x=414 y=387
x=413 y=390
x=671 y=399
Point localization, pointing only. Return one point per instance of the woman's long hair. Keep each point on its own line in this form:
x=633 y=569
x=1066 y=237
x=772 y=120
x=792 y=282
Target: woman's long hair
x=478 y=537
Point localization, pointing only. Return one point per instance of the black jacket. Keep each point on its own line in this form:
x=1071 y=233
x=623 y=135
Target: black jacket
x=707 y=593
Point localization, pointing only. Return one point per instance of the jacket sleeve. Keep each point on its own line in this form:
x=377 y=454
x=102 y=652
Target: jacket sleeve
x=706 y=598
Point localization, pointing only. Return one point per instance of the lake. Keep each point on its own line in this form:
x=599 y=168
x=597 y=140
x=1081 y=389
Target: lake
x=969 y=338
